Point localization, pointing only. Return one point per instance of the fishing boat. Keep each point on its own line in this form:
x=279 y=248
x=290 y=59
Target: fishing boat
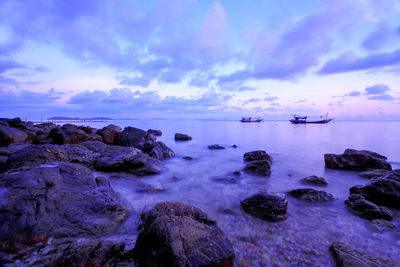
x=303 y=119
x=250 y=119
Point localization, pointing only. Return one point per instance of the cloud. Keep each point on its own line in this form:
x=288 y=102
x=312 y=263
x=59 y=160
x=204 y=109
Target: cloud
x=301 y=101
x=235 y=87
x=8 y=64
x=270 y=98
x=378 y=38
x=252 y=100
x=376 y=89
x=385 y=97
x=354 y=94
x=347 y=62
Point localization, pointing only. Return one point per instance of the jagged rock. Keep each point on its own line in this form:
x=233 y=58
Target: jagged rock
x=359 y=160
x=311 y=195
x=109 y=134
x=380 y=224
x=88 y=129
x=9 y=135
x=174 y=234
x=155 y=132
x=94 y=146
x=71 y=134
x=347 y=256
x=60 y=200
x=314 y=180
x=271 y=207
x=373 y=173
x=257 y=155
x=215 y=147
x=259 y=167
x=128 y=159
x=182 y=137
x=384 y=190
x=366 y=209
x=144 y=141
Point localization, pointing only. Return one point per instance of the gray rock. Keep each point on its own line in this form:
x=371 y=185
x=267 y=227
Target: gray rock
x=182 y=137
x=71 y=134
x=174 y=234
x=381 y=224
x=109 y=134
x=314 y=180
x=259 y=167
x=155 y=132
x=373 y=173
x=9 y=135
x=359 y=160
x=267 y=206
x=366 y=209
x=346 y=256
x=311 y=195
x=257 y=155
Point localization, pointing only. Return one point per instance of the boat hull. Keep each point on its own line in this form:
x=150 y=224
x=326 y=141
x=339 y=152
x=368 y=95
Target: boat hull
x=315 y=122
x=251 y=120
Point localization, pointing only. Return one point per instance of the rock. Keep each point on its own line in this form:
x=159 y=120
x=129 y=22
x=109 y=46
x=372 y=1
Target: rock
x=61 y=200
x=359 y=160
x=366 y=209
x=215 y=147
x=10 y=135
x=127 y=159
x=182 y=137
x=109 y=134
x=348 y=256
x=234 y=146
x=380 y=224
x=174 y=234
x=71 y=134
x=373 y=173
x=237 y=173
x=314 y=180
x=311 y=195
x=144 y=141
x=270 y=207
x=3 y=160
x=226 y=180
x=259 y=167
x=12 y=148
x=155 y=132
x=187 y=158
x=383 y=191
x=96 y=147
x=257 y=155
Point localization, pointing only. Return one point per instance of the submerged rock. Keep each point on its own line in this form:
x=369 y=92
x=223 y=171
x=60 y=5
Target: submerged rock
x=155 y=132
x=182 y=137
x=359 y=160
x=257 y=155
x=371 y=174
x=174 y=234
x=109 y=134
x=216 y=146
x=347 y=256
x=60 y=200
x=271 y=207
x=366 y=209
x=311 y=195
x=314 y=180
x=259 y=167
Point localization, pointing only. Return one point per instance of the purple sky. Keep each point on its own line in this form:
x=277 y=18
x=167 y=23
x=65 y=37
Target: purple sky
x=200 y=59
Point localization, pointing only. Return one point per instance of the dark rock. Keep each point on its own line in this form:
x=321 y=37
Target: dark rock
x=366 y=209
x=257 y=155
x=259 y=167
x=234 y=146
x=237 y=173
x=127 y=159
x=215 y=147
x=10 y=135
x=311 y=195
x=144 y=141
x=174 y=234
x=373 y=173
x=182 y=137
x=271 y=207
x=383 y=191
x=155 y=132
x=347 y=256
x=380 y=224
x=12 y=148
x=150 y=190
x=187 y=158
x=359 y=160
x=94 y=146
x=314 y=180
x=71 y=134
x=226 y=211
x=3 y=160
x=109 y=134
x=88 y=129
x=46 y=127
x=60 y=200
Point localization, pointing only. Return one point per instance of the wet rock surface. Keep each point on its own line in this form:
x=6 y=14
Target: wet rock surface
x=155 y=132
x=371 y=174
x=182 y=137
x=72 y=134
x=109 y=134
x=366 y=209
x=267 y=206
x=174 y=234
x=257 y=155
x=359 y=160
x=9 y=135
x=259 y=167
x=348 y=256
x=314 y=180
x=311 y=195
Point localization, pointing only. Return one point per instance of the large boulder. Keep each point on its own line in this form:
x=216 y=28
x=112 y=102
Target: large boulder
x=359 y=160
x=60 y=200
x=366 y=209
x=155 y=132
x=346 y=256
x=311 y=195
x=9 y=135
x=270 y=207
x=259 y=167
x=257 y=155
x=128 y=159
x=174 y=234
x=71 y=134
x=384 y=190
x=109 y=134
x=182 y=137
x=144 y=141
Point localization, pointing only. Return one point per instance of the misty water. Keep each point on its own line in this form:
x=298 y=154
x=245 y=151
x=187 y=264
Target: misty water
x=297 y=151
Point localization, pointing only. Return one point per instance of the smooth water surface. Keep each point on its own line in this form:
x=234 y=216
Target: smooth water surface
x=297 y=150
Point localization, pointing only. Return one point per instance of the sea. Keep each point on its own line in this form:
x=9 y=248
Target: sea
x=207 y=182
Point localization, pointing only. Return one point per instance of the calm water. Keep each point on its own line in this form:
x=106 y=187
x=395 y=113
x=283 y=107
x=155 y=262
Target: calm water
x=297 y=150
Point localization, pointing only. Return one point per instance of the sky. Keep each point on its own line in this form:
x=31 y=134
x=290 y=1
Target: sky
x=200 y=59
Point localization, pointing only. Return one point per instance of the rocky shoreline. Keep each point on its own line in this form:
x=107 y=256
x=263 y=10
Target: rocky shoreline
x=55 y=211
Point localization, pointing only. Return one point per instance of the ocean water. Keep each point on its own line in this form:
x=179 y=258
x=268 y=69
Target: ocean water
x=297 y=151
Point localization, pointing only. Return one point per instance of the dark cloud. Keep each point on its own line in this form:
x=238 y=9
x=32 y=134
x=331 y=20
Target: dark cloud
x=270 y=98
x=385 y=97
x=235 y=86
x=348 y=62
x=8 y=64
x=354 y=93
x=378 y=38
x=376 y=89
